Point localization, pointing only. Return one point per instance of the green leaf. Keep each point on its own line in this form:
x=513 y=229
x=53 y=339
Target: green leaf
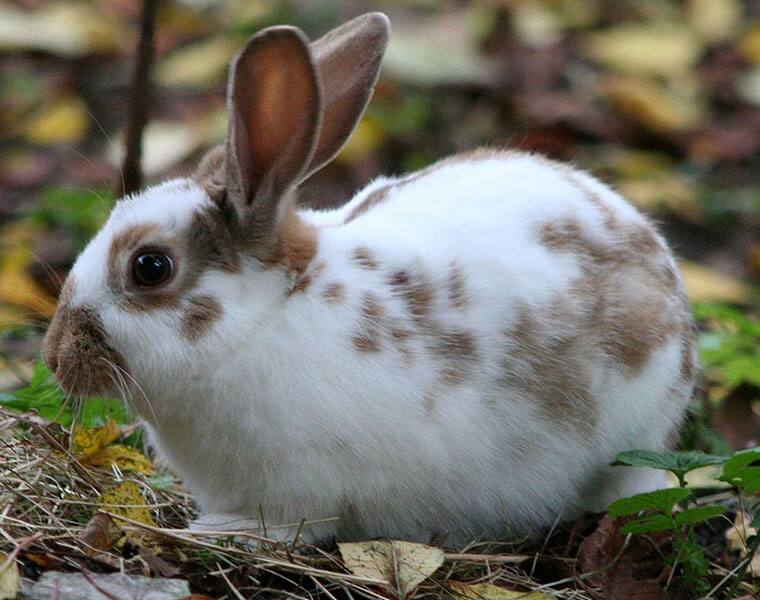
x=661 y=500
x=743 y=470
x=678 y=463
x=699 y=514
x=648 y=523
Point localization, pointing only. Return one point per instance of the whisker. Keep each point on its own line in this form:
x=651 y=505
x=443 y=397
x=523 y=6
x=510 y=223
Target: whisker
x=110 y=143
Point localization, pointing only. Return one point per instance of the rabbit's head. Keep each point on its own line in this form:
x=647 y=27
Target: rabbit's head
x=184 y=261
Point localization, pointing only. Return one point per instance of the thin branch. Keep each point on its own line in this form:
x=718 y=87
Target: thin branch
x=140 y=93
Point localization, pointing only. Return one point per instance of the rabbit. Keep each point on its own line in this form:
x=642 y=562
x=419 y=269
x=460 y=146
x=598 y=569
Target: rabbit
x=451 y=354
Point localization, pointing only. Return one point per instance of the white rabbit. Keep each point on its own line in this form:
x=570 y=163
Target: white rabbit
x=454 y=353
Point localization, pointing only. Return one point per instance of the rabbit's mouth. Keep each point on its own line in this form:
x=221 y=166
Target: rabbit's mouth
x=77 y=351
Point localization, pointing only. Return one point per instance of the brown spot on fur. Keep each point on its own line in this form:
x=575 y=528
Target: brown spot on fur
x=334 y=293
x=375 y=197
x=417 y=293
x=544 y=362
x=429 y=403
x=455 y=284
x=688 y=352
x=364 y=258
x=453 y=375
x=628 y=281
x=369 y=337
x=77 y=350
x=304 y=280
x=199 y=315
x=611 y=219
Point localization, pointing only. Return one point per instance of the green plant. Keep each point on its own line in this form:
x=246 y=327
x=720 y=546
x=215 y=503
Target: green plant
x=46 y=398
x=655 y=511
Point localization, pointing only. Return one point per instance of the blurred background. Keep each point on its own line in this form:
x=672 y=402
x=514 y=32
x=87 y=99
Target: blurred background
x=660 y=98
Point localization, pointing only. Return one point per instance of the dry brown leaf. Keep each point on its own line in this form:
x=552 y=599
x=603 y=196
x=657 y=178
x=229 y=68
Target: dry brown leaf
x=737 y=536
x=665 y=192
x=403 y=565
x=487 y=591
x=10 y=579
x=705 y=285
x=749 y=44
x=100 y=532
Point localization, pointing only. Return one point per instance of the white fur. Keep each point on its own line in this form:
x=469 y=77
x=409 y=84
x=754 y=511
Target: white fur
x=275 y=413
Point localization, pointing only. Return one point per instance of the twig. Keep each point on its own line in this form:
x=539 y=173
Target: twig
x=140 y=91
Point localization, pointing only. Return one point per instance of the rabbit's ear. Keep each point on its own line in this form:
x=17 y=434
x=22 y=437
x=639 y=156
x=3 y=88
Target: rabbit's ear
x=274 y=101
x=348 y=59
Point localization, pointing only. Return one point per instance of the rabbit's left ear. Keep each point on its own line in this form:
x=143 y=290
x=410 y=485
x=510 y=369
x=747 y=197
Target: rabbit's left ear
x=348 y=61
x=275 y=105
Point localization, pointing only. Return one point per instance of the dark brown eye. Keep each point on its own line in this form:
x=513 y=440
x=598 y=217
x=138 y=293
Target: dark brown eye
x=151 y=269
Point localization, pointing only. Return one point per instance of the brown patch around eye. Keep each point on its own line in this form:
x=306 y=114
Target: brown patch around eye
x=122 y=246
x=364 y=258
x=199 y=315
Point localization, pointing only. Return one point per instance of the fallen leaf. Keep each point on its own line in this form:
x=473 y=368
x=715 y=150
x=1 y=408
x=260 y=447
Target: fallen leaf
x=198 y=66
x=62 y=121
x=16 y=286
x=487 y=591
x=126 y=500
x=749 y=44
x=661 y=49
x=439 y=50
x=99 y=533
x=715 y=20
x=403 y=565
x=705 y=285
x=662 y=111
x=632 y=575
x=737 y=536
x=10 y=580
x=124 y=457
x=86 y=441
x=97 y=586
x=665 y=192
x=66 y=28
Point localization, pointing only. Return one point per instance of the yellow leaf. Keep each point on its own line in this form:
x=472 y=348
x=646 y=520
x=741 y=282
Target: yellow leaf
x=659 y=49
x=198 y=66
x=62 y=121
x=12 y=317
x=750 y=44
x=86 y=441
x=403 y=565
x=127 y=459
x=661 y=110
x=10 y=580
x=715 y=20
x=706 y=285
x=487 y=591
x=127 y=501
x=67 y=28
x=365 y=140
x=16 y=287
x=664 y=192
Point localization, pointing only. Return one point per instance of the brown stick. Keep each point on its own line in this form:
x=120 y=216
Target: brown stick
x=140 y=92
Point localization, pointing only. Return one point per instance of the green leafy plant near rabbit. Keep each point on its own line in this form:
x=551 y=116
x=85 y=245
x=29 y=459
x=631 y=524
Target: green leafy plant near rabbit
x=677 y=510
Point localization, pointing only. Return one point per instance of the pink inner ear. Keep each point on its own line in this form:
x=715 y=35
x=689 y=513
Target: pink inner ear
x=276 y=104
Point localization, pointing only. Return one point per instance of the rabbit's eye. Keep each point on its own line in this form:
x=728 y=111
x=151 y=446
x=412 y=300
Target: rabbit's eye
x=151 y=269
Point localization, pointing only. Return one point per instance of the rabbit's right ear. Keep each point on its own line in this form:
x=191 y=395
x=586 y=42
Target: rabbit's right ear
x=348 y=59
x=275 y=106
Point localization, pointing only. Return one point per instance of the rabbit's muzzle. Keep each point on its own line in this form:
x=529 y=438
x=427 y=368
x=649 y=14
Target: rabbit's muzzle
x=77 y=351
